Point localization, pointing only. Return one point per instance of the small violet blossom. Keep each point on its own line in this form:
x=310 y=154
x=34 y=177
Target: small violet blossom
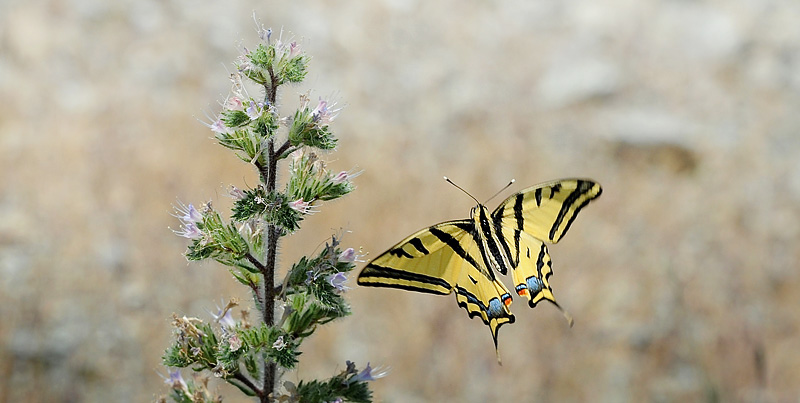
x=254 y=110
x=189 y=230
x=311 y=276
x=263 y=33
x=324 y=114
x=236 y=193
x=224 y=318
x=234 y=104
x=235 y=342
x=279 y=344
x=294 y=50
x=218 y=127
x=341 y=177
x=369 y=374
x=337 y=280
x=189 y=217
x=301 y=206
x=176 y=381
x=348 y=255
x=187 y=213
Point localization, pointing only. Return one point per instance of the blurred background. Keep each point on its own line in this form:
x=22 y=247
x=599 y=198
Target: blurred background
x=682 y=278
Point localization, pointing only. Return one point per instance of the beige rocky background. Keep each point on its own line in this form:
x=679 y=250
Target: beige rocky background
x=682 y=278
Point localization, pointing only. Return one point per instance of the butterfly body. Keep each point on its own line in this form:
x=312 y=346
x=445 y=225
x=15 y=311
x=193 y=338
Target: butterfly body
x=462 y=256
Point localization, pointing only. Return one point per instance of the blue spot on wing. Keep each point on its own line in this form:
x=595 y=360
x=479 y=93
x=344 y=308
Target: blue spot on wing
x=495 y=308
x=534 y=285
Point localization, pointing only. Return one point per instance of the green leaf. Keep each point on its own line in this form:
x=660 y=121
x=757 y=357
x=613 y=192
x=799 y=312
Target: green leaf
x=273 y=208
x=294 y=70
x=305 y=131
x=235 y=118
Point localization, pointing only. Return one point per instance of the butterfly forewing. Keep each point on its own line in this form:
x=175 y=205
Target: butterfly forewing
x=427 y=261
x=444 y=258
x=547 y=211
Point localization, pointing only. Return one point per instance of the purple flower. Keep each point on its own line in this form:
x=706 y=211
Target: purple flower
x=234 y=104
x=189 y=217
x=187 y=213
x=224 y=318
x=301 y=206
x=294 y=50
x=324 y=114
x=263 y=33
x=337 y=280
x=341 y=177
x=311 y=277
x=176 y=381
x=236 y=193
x=348 y=255
x=279 y=344
x=189 y=230
x=218 y=127
x=367 y=374
x=254 y=110
x=235 y=342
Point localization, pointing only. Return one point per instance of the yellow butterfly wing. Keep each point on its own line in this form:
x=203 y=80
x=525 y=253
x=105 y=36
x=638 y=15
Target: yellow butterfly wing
x=538 y=214
x=439 y=260
x=546 y=211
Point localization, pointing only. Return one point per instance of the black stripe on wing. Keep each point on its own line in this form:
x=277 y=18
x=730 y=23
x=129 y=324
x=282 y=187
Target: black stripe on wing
x=375 y=271
x=453 y=243
x=582 y=188
x=497 y=221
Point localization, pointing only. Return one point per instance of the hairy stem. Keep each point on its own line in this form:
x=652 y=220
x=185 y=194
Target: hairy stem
x=255 y=262
x=283 y=148
x=244 y=380
x=268 y=175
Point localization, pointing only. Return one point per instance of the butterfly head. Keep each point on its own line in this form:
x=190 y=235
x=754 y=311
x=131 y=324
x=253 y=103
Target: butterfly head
x=480 y=214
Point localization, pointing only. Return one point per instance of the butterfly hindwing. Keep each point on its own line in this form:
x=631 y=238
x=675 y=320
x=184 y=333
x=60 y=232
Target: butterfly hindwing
x=485 y=298
x=532 y=270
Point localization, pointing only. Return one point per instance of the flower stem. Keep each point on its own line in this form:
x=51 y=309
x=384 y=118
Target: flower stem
x=273 y=233
x=246 y=382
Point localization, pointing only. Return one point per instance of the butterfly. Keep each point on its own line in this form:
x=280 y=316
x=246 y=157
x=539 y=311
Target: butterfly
x=464 y=256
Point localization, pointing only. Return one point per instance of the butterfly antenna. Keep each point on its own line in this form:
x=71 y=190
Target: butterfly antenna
x=500 y=191
x=461 y=189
